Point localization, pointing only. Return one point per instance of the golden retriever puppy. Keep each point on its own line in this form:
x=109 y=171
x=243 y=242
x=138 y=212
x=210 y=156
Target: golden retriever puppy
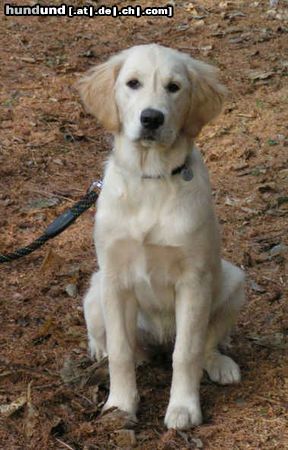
x=160 y=271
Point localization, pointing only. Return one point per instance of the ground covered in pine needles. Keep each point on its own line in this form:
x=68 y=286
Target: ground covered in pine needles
x=51 y=393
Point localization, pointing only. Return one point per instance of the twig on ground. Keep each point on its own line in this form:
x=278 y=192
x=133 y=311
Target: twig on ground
x=64 y=444
x=51 y=194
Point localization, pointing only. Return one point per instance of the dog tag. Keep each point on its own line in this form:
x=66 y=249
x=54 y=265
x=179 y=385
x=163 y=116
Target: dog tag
x=187 y=173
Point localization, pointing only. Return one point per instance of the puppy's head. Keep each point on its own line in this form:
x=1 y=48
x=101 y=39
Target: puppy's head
x=152 y=94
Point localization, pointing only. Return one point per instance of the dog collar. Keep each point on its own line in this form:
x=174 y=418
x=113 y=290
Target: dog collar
x=185 y=170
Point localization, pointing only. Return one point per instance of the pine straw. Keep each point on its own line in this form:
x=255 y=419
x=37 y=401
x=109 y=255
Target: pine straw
x=49 y=147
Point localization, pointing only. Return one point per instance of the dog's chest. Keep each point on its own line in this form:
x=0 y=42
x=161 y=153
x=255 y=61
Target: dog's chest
x=134 y=261
x=151 y=271
x=143 y=231
x=154 y=213
x=154 y=272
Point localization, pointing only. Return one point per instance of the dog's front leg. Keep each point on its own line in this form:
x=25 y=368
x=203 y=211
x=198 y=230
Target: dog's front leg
x=192 y=313
x=120 y=312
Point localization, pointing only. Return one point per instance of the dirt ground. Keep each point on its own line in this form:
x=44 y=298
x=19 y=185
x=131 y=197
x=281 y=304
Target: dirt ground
x=50 y=150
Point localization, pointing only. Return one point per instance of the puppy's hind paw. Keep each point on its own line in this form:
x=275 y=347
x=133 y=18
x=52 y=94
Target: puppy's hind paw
x=222 y=369
x=97 y=352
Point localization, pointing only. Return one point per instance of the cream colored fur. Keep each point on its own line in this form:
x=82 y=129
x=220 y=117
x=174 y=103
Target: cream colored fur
x=160 y=274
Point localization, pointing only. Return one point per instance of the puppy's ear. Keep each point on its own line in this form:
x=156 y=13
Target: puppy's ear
x=207 y=95
x=97 y=92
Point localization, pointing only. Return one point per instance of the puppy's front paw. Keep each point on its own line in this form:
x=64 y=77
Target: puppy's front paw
x=125 y=403
x=222 y=369
x=183 y=417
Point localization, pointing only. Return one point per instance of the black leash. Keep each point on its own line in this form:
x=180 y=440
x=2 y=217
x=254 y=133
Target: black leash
x=58 y=225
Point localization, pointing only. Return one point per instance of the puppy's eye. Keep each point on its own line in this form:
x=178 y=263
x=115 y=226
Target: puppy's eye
x=133 y=84
x=172 y=87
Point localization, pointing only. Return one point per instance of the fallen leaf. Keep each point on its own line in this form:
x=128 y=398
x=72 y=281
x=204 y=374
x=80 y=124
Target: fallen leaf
x=198 y=24
x=77 y=372
x=235 y=14
x=255 y=75
x=241 y=166
x=206 y=49
x=231 y=201
x=52 y=261
x=224 y=5
x=256 y=287
x=42 y=203
x=249 y=210
x=28 y=59
x=279 y=249
x=190 y=7
x=70 y=371
x=11 y=408
x=71 y=290
x=237 y=40
x=58 y=162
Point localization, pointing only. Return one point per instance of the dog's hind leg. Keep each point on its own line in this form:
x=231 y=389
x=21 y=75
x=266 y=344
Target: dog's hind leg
x=94 y=319
x=221 y=368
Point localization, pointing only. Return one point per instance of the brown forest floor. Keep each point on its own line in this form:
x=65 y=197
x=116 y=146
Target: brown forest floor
x=50 y=150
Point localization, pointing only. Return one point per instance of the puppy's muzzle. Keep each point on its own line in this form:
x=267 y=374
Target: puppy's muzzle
x=151 y=119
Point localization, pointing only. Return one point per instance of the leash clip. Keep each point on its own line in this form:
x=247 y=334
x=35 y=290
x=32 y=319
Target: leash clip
x=97 y=184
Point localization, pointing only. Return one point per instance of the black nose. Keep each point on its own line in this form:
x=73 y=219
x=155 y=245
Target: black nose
x=151 y=119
